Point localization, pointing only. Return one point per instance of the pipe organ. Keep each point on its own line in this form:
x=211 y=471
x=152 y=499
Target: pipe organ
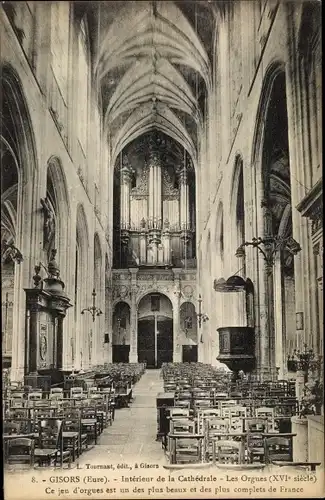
x=155 y=223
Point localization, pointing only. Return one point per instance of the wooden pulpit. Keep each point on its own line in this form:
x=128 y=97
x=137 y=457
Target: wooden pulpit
x=46 y=307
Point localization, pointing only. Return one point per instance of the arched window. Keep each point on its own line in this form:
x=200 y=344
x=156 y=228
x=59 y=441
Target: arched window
x=83 y=85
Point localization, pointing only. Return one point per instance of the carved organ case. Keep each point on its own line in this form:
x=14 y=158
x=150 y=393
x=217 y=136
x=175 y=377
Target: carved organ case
x=154 y=205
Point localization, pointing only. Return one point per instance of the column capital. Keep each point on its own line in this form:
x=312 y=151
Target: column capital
x=127 y=173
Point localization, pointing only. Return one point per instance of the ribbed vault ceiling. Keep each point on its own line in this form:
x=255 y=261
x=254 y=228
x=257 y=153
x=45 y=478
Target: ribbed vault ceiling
x=153 y=69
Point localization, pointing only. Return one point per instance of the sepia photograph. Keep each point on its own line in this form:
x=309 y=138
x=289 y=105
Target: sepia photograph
x=162 y=249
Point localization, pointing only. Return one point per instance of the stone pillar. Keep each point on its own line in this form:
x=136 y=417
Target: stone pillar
x=29 y=236
x=300 y=171
x=266 y=355
x=177 y=348
x=278 y=319
x=133 y=356
x=108 y=346
x=151 y=199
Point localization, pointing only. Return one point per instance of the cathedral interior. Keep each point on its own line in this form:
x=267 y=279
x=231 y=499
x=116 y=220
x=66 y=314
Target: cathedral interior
x=161 y=194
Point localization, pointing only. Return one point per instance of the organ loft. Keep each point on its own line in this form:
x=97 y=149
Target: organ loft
x=154 y=243
x=154 y=202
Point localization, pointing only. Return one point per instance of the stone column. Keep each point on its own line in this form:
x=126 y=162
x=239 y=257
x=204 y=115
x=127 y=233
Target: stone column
x=177 y=348
x=108 y=349
x=300 y=177
x=151 y=199
x=266 y=361
x=29 y=240
x=278 y=316
x=133 y=356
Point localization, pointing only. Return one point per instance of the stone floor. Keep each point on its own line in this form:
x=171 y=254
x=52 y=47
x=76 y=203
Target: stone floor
x=133 y=433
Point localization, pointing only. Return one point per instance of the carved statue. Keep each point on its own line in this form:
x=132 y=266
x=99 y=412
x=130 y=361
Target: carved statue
x=53 y=268
x=143 y=223
x=49 y=220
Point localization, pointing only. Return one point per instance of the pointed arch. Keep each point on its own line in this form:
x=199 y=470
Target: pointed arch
x=58 y=190
x=272 y=72
x=237 y=207
x=22 y=140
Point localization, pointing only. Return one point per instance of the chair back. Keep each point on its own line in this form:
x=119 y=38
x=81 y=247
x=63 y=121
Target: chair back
x=76 y=392
x=20 y=450
x=11 y=427
x=182 y=404
x=278 y=448
x=217 y=425
x=56 y=390
x=34 y=396
x=209 y=413
x=182 y=426
x=50 y=433
x=179 y=412
x=268 y=413
x=227 y=451
x=236 y=424
x=234 y=411
x=256 y=425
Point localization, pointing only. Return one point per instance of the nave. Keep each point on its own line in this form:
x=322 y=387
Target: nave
x=132 y=438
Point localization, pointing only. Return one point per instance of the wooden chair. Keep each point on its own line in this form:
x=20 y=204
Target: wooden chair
x=56 y=396
x=278 y=448
x=214 y=428
x=73 y=414
x=72 y=435
x=226 y=403
x=184 y=446
x=76 y=392
x=209 y=413
x=10 y=427
x=89 y=423
x=56 y=390
x=182 y=403
x=179 y=412
x=49 y=448
x=268 y=413
x=200 y=404
x=234 y=411
x=236 y=424
x=226 y=451
x=92 y=390
x=17 y=399
x=182 y=425
x=20 y=451
x=34 y=396
x=255 y=428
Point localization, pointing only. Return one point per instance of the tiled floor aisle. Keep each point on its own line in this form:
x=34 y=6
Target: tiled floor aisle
x=132 y=437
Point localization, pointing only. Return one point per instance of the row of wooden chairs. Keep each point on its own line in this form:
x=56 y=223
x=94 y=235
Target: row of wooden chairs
x=194 y=440
x=197 y=401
